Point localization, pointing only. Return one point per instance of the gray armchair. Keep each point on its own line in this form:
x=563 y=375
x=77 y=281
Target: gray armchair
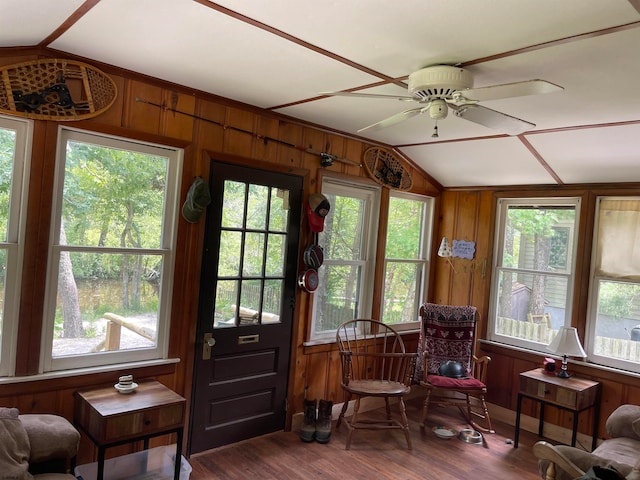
x=36 y=446
x=620 y=450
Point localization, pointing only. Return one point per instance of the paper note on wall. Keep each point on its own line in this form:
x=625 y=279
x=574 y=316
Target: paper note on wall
x=463 y=249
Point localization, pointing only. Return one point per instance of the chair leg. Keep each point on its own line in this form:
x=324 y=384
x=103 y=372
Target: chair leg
x=486 y=416
x=425 y=409
x=351 y=424
x=388 y=409
x=344 y=409
x=405 y=423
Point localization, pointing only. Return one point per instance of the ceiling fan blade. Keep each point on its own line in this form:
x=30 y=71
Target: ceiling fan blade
x=508 y=90
x=491 y=118
x=397 y=118
x=368 y=95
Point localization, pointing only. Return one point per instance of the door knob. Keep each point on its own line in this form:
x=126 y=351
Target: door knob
x=209 y=342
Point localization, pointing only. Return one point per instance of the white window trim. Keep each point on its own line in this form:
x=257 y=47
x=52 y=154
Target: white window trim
x=371 y=194
x=167 y=249
x=15 y=238
x=592 y=308
x=422 y=285
x=502 y=207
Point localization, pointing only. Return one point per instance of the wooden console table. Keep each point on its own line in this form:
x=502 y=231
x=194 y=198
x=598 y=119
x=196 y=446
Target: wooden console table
x=110 y=418
x=571 y=394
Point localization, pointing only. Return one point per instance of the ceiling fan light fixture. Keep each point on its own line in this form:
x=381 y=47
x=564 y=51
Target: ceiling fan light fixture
x=438 y=109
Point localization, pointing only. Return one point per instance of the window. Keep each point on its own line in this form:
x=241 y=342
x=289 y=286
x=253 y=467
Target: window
x=112 y=252
x=15 y=142
x=349 y=241
x=533 y=279
x=406 y=263
x=613 y=323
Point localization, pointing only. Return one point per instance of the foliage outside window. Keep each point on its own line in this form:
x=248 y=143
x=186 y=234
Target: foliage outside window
x=111 y=258
x=406 y=258
x=534 y=274
x=613 y=323
x=348 y=239
x=14 y=152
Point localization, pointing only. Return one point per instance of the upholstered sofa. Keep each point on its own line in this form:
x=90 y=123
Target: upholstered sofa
x=621 y=450
x=38 y=446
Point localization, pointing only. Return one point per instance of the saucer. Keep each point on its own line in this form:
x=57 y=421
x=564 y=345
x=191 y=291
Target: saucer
x=444 y=432
x=127 y=389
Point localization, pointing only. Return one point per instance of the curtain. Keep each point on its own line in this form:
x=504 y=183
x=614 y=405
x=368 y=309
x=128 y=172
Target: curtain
x=618 y=239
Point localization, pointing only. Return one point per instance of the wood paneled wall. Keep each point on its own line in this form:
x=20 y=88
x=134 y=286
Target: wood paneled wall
x=460 y=214
x=134 y=116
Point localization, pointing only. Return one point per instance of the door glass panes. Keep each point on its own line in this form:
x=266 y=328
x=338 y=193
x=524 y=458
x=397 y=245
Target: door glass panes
x=257 y=207
x=233 y=204
x=252 y=255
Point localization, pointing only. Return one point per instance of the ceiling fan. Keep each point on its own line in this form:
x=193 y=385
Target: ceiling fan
x=439 y=88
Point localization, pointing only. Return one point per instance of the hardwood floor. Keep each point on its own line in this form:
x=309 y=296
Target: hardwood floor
x=375 y=455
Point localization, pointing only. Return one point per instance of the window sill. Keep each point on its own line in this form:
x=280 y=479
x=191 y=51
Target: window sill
x=119 y=367
x=581 y=364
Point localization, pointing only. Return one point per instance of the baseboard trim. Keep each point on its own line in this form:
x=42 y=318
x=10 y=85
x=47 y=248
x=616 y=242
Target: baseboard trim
x=530 y=424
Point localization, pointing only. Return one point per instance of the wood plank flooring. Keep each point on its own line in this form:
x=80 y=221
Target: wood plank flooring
x=375 y=455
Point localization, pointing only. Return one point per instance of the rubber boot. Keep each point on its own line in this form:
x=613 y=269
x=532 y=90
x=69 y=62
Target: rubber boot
x=308 y=430
x=323 y=424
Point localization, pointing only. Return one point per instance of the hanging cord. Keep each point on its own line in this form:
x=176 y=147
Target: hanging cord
x=326 y=158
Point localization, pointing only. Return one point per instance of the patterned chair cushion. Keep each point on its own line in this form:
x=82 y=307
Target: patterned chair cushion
x=468 y=383
x=447 y=333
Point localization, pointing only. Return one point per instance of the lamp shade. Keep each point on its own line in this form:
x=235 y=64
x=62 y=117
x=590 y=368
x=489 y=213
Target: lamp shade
x=566 y=342
x=445 y=248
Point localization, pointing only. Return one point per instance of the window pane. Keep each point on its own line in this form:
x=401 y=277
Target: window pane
x=3 y=280
x=229 y=254
x=233 y=204
x=112 y=197
x=405 y=228
x=226 y=301
x=337 y=296
x=530 y=306
x=534 y=238
x=115 y=310
x=279 y=210
x=400 y=292
x=346 y=220
x=617 y=330
x=276 y=250
x=272 y=297
x=253 y=254
x=257 y=207
x=7 y=151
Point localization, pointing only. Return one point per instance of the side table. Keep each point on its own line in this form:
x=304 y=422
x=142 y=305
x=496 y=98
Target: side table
x=571 y=394
x=110 y=418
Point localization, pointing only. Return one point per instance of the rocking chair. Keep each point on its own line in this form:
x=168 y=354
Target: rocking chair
x=447 y=333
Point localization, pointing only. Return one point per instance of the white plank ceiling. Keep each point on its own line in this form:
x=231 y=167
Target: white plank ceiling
x=280 y=54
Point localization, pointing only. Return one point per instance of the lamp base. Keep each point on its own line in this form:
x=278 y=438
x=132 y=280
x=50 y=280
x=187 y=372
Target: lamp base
x=563 y=374
x=563 y=371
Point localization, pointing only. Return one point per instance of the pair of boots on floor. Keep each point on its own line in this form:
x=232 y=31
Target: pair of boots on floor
x=317 y=421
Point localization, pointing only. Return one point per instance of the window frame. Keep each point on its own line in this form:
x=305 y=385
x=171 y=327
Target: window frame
x=502 y=207
x=593 y=296
x=166 y=250
x=422 y=284
x=14 y=244
x=371 y=195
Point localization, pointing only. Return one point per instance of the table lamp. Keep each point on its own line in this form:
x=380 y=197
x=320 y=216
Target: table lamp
x=566 y=343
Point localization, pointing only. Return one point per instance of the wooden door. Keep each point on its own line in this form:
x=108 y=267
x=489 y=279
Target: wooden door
x=249 y=277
